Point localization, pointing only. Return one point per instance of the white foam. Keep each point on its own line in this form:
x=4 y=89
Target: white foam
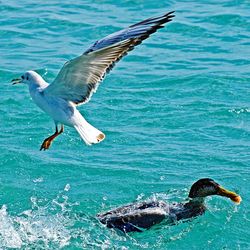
x=9 y=235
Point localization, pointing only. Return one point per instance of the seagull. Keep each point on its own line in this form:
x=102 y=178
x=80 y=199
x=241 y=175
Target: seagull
x=80 y=77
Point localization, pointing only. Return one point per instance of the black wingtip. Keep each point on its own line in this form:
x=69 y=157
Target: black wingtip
x=159 y=19
x=170 y=12
x=169 y=15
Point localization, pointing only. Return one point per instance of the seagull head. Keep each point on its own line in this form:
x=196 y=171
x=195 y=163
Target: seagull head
x=28 y=77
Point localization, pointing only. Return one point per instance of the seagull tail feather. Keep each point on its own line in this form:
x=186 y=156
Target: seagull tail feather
x=89 y=133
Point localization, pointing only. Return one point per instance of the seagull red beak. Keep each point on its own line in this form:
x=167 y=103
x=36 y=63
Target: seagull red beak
x=16 y=81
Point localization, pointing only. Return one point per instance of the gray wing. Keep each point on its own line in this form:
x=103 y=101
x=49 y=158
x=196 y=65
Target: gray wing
x=79 y=78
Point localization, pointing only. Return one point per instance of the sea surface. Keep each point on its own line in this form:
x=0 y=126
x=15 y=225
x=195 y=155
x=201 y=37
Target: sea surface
x=176 y=109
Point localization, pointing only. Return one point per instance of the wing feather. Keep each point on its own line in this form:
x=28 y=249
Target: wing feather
x=80 y=77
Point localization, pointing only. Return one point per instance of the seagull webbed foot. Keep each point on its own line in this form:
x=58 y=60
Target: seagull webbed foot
x=47 y=142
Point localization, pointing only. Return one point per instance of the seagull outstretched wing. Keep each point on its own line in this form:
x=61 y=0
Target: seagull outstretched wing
x=80 y=77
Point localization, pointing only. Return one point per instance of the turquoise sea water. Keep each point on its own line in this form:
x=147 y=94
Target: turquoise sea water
x=175 y=110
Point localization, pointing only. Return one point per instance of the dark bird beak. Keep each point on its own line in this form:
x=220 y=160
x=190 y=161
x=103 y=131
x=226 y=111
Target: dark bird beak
x=229 y=194
x=16 y=81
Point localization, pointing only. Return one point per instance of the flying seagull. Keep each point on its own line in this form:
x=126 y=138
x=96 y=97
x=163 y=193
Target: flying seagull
x=80 y=77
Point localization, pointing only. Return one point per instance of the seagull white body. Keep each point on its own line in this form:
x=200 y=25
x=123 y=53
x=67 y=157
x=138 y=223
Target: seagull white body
x=60 y=110
x=80 y=77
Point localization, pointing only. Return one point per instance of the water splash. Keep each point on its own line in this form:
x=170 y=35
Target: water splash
x=42 y=225
x=9 y=236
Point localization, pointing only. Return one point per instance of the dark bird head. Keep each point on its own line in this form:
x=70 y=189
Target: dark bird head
x=205 y=187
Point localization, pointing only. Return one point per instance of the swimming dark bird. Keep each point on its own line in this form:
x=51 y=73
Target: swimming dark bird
x=137 y=217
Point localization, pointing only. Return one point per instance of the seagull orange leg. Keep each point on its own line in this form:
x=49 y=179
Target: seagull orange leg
x=47 y=142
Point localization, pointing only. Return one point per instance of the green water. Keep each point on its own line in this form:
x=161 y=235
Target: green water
x=175 y=110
